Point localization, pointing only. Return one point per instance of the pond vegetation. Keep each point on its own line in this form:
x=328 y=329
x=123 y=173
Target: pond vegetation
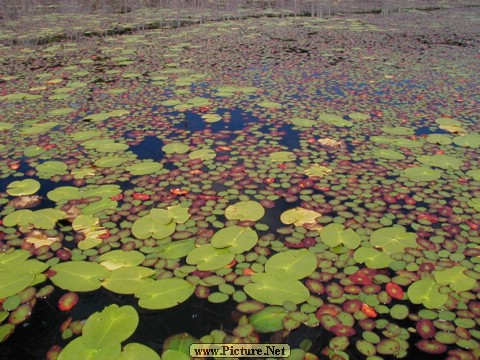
x=267 y=178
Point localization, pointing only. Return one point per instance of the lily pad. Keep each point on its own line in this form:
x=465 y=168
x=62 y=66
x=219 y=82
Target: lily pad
x=393 y=239
x=303 y=122
x=455 y=277
x=127 y=280
x=426 y=292
x=317 y=170
x=334 y=235
x=373 y=258
x=236 y=239
x=175 y=148
x=439 y=139
x=388 y=154
x=23 y=187
x=299 y=216
x=209 y=258
x=177 y=249
x=292 y=264
x=270 y=105
x=245 y=210
x=164 y=294
x=202 y=154
x=275 y=290
x=282 y=156
x=79 y=275
x=440 y=160
x=157 y=227
x=50 y=168
x=144 y=168
x=109 y=327
x=119 y=258
x=470 y=140
x=397 y=130
x=135 y=351
x=421 y=173
x=269 y=319
x=475 y=174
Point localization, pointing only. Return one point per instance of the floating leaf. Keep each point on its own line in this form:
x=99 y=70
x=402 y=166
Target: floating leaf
x=175 y=148
x=33 y=150
x=268 y=320
x=299 y=216
x=456 y=278
x=470 y=140
x=421 y=173
x=358 y=116
x=303 y=122
x=163 y=294
x=317 y=170
x=282 y=156
x=64 y=193
x=158 y=224
x=5 y=126
x=41 y=219
x=127 y=280
x=374 y=259
x=397 y=130
x=61 y=111
x=144 y=168
x=135 y=351
x=335 y=120
x=275 y=290
x=270 y=105
x=393 y=239
x=178 y=213
x=334 y=235
x=388 y=154
x=176 y=249
x=77 y=349
x=208 y=258
x=119 y=258
x=23 y=187
x=292 y=264
x=245 y=210
x=440 y=160
x=110 y=327
x=79 y=275
x=202 y=154
x=236 y=239
x=426 y=292
x=448 y=121
x=51 y=168
x=475 y=174
x=110 y=161
x=439 y=139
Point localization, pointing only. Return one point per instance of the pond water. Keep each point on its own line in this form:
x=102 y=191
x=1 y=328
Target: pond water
x=316 y=183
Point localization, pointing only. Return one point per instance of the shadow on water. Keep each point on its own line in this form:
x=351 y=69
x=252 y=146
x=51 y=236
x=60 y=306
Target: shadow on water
x=33 y=339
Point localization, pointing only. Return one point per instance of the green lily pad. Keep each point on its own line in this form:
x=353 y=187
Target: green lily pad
x=334 y=235
x=245 y=210
x=98 y=117
x=358 y=116
x=202 y=154
x=64 y=193
x=388 y=154
x=299 y=216
x=282 y=156
x=164 y=294
x=175 y=148
x=40 y=219
x=110 y=161
x=23 y=187
x=33 y=150
x=176 y=249
x=317 y=170
x=275 y=290
x=109 y=327
x=61 y=111
x=269 y=319
x=85 y=135
x=79 y=275
x=135 y=351
x=121 y=258
x=209 y=258
x=426 y=292
x=77 y=349
x=474 y=203
x=303 y=122
x=51 y=168
x=270 y=105
x=456 y=278
x=421 y=173
x=373 y=258
x=18 y=276
x=292 y=264
x=335 y=120
x=127 y=280
x=439 y=139
x=470 y=140
x=144 y=168
x=150 y=226
x=393 y=239
x=99 y=206
x=448 y=122
x=236 y=239
x=475 y=174
x=5 y=126
x=440 y=160
x=397 y=130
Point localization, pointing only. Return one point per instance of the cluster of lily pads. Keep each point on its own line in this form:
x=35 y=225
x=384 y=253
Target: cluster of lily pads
x=303 y=180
